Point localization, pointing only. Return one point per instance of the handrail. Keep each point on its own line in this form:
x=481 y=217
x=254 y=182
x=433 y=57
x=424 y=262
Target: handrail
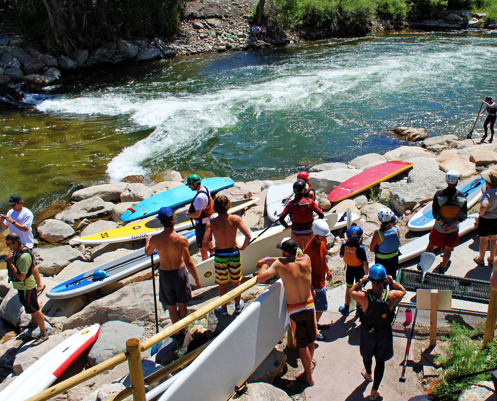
x=148 y=343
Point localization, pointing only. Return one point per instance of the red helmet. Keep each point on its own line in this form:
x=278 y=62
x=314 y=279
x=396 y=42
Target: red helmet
x=303 y=175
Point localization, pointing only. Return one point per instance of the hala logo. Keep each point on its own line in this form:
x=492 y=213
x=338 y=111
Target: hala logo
x=136 y=227
x=207 y=274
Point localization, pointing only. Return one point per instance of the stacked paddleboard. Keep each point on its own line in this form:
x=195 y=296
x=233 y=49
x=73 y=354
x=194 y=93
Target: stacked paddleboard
x=276 y=199
x=423 y=219
x=41 y=374
x=175 y=197
x=140 y=230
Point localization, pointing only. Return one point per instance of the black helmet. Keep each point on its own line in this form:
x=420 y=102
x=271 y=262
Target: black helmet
x=299 y=187
x=488 y=99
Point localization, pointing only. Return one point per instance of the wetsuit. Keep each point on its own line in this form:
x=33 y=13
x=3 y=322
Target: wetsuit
x=491 y=117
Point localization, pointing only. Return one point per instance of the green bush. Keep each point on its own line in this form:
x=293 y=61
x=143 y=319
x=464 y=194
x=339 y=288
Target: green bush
x=393 y=9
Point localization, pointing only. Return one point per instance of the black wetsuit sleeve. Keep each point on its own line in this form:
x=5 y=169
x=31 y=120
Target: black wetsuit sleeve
x=436 y=207
x=463 y=214
x=342 y=249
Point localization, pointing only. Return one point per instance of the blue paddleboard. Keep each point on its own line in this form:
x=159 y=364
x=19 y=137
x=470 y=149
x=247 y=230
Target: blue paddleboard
x=173 y=198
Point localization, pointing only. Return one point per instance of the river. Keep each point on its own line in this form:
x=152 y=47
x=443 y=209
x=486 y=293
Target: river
x=248 y=115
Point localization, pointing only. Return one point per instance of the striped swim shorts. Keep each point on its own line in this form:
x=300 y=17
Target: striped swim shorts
x=227 y=262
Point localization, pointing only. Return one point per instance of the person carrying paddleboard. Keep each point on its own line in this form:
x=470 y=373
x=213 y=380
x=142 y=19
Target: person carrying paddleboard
x=227 y=261
x=491 y=109
x=309 y=191
x=19 y=220
x=316 y=249
x=378 y=305
x=487 y=219
x=175 y=263
x=201 y=210
x=386 y=241
x=449 y=209
x=295 y=270
x=20 y=263
x=301 y=210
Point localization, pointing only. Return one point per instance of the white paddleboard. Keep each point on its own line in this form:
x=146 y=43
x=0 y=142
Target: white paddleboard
x=276 y=199
x=41 y=374
x=234 y=355
x=423 y=219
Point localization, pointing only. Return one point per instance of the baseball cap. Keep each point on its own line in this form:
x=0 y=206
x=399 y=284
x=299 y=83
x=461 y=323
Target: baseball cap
x=165 y=214
x=287 y=244
x=14 y=199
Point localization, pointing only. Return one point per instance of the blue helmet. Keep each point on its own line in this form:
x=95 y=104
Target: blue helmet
x=354 y=233
x=100 y=275
x=377 y=272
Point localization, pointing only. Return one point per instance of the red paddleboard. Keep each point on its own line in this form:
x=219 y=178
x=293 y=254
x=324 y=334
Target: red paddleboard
x=367 y=179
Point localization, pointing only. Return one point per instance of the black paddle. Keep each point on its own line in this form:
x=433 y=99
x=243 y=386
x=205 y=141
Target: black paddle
x=470 y=134
x=476 y=183
x=156 y=347
x=402 y=377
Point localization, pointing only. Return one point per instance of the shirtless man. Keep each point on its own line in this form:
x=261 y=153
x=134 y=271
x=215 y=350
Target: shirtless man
x=296 y=272
x=174 y=288
x=226 y=252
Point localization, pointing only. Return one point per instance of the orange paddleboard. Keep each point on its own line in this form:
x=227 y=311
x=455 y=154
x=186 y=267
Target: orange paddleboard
x=367 y=179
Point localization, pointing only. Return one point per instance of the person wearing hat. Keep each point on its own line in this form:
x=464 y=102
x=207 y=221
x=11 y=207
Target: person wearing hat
x=316 y=249
x=491 y=109
x=487 y=219
x=309 y=191
x=378 y=305
x=449 y=208
x=19 y=219
x=175 y=264
x=227 y=261
x=295 y=270
x=201 y=210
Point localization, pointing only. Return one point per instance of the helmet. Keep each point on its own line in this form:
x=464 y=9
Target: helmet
x=100 y=275
x=377 y=272
x=192 y=179
x=299 y=187
x=488 y=99
x=385 y=215
x=303 y=175
x=354 y=233
x=451 y=177
x=320 y=227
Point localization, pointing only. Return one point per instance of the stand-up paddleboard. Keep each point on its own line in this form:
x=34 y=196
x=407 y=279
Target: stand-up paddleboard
x=41 y=374
x=418 y=246
x=139 y=230
x=249 y=339
x=423 y=219
x=174 y=197
x=117 y=269
x=276 y=199
x=367 y=179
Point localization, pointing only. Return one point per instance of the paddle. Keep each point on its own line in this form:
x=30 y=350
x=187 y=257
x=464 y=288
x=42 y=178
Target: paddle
x=349 y=217
x=470 y=134
x=476 y=183
x=156 y=347
x=402 y=377
x=425 y=262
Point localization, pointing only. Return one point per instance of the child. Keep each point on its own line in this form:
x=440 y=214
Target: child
x=355 y=257
x=386 y=242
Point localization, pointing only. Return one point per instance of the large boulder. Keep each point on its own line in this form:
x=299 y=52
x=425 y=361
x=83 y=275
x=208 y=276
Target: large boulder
x=407 y=152
x=148 y=54
x=368 y=160
x=484 y=390
x=344 y=205
x=327 y=167
x=483 y=157
x=98 y=227
x=437 y=143
x=119 y=209
x=271 y=368
x=133 y=304
x=411 y=134
x=86 y=209
x=330 y=179
x=167 y=175
x=371 y=210
x=427 y=173
x=54 y=231
x=127 y=49
x=165 y=186
x=108 y=192
x=451 y=160
x=404 y=197
x=67 y=63
x=52 y=260
x=136 y=192
x=104 y=54
x=112 y=340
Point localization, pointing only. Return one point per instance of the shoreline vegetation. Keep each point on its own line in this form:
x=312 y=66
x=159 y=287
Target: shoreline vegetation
x=44 y=42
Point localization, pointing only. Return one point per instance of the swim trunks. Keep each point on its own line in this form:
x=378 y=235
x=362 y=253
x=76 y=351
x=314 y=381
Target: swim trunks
x=353 y=273
x=227 y=261
x=29 y=300
x=441 y=239
x=174 y=287
x=303 y=323
x=199 y=233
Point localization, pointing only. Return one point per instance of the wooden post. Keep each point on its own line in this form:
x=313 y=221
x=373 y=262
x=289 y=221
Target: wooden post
x=491 y=317
x=136 y=368
x=433 y=317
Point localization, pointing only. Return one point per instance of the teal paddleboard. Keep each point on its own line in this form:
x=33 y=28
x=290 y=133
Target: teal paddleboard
x=173 y=198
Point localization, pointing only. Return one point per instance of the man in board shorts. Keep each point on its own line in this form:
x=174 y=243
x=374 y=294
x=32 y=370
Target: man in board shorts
x=295 y=270
x=20 y=269
x=175 y=263
x=449 y=209
x=227 y=251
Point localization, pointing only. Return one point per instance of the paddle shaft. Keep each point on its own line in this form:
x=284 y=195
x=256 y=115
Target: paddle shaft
x=408 y=348
x=155 y=293
x=470 y=134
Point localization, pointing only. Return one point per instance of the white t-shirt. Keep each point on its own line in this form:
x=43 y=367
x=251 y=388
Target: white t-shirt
x=24 y=218
x=489 y=198
x=201 y=202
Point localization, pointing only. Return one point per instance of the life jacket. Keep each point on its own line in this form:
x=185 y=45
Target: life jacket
x=209 y=210
x=450 y=208
x=378 y=313
x=492 y=110
x=308 y=191
x=390 y=245
x=301 y=212
x=12 y=276
x=350 y=255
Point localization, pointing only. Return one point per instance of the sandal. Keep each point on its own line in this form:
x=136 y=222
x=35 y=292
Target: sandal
x=367 y=377
x=490 y=261
x=478 y=261
x=40 y=291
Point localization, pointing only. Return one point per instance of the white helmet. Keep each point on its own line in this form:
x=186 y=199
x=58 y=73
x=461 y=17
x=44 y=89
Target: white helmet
x=320 y=227
x=385 y=215
x=451 y=177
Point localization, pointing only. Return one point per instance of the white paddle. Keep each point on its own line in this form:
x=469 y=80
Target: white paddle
x=425 y=262
x=349 y=217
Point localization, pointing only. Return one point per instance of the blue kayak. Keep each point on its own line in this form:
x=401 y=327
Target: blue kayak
x=175 y=197
x=423 y=220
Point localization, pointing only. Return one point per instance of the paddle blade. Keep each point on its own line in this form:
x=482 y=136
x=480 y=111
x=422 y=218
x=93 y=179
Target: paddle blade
x=470 y=135
x=426 y=261
x=349 y=217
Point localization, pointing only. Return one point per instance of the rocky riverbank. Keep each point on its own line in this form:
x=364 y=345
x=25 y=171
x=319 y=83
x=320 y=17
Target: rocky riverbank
x=125 y=308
